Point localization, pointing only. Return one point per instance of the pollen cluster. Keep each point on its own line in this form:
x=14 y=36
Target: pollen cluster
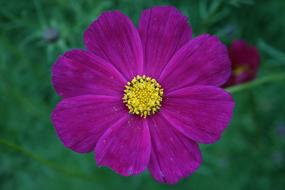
x=143 y=96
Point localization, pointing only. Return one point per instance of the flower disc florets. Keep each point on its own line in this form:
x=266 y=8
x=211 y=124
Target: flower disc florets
x=143 y=96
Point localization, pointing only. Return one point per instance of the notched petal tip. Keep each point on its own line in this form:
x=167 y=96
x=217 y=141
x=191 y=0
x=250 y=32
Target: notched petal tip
x=78 y=123
x=80 y=72
x=203 y=60
x=125 y=147
x=163 y=30
x=90 y=28
x=113 y=37
x=211 y=109
x=173 y=156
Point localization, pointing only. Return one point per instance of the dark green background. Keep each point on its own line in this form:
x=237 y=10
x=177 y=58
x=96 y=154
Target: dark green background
x=250 y=155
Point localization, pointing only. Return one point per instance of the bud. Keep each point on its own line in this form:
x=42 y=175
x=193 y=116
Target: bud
x=51 y=35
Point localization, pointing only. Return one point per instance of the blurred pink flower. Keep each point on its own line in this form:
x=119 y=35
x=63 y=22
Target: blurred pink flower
x=143 y=97
x=245 y=62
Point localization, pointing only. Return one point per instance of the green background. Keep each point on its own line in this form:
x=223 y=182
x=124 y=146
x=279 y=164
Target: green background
x=250 y=155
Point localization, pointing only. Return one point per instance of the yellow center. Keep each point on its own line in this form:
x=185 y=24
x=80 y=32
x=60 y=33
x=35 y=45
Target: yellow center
x=240 y=69
x=143 y=96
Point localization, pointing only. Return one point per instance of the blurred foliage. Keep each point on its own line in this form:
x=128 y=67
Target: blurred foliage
x=251 y=154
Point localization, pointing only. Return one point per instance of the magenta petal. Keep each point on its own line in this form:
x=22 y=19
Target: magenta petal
x=125 y=147
x=199 y=112
x=163 y=31
x=80 y=121
x=173 y=156
x=79 y=72
x=204 y=60
x=114 y=37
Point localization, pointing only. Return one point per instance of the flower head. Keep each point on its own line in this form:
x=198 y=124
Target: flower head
x=143 y=97
x=245 y=62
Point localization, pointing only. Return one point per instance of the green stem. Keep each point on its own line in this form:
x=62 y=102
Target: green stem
x=257 y=82
x=45 y=162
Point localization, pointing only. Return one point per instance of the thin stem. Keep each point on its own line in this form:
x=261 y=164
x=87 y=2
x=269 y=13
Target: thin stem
x=45 y=162
x=257 y=82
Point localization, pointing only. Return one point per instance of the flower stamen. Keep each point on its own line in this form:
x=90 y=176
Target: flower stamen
x=143 y=96
x=240 y=69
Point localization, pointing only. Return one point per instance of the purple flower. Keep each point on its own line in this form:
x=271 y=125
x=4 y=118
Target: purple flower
x=245 y=62
x=143 y=97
